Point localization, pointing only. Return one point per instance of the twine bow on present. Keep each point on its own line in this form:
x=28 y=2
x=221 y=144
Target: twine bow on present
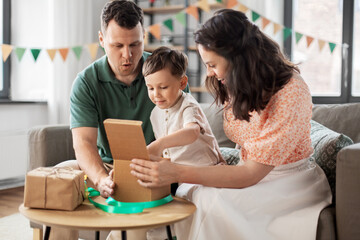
x=123 y=207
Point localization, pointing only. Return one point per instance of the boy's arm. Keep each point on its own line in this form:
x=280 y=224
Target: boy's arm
x=182 y=137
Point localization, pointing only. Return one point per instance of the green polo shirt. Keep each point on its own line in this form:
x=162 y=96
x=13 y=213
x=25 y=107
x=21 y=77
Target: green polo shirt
x=97 y=95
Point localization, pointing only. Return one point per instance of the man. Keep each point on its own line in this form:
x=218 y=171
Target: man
x=111 y=87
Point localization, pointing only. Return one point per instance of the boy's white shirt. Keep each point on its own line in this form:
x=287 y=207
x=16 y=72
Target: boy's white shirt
x=204 y=151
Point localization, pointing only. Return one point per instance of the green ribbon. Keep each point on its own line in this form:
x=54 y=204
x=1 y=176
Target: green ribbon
x=125 y=207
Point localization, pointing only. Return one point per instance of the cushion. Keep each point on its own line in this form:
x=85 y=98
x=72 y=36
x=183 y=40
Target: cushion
x=230 y=155
x=327 y=144
x=339 y=118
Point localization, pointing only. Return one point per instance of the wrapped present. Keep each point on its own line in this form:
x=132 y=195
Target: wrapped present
x=54 y=188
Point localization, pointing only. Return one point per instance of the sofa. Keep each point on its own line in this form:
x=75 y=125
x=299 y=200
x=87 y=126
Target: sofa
x=335 y=134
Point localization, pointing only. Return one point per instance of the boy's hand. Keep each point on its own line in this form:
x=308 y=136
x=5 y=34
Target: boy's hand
x=155 y=148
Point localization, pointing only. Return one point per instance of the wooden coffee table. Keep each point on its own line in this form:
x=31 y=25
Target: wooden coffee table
x=88 y=217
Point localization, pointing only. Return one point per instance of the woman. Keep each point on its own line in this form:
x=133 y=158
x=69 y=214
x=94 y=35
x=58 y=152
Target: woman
x=275 y=192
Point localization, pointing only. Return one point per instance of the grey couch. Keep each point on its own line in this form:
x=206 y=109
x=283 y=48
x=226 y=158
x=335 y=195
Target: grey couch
x=337 y=151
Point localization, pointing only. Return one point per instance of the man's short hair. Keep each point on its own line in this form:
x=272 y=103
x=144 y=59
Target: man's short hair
x=125 y=13
x=164 y=57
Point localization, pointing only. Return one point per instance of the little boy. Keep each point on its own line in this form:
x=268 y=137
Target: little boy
x=181 y=129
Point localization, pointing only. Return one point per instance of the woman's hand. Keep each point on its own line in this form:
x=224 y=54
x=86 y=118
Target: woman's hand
x=156 y=173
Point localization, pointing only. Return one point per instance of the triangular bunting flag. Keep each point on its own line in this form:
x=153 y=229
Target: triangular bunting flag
x=51 y=53
x=287 y=33
x=204 y=5
x=219 y=1
x=298 y=36
x=19 y=53
x=321 y=44
x=146 y=38
x=151 y=1
x=155 y=31
x=64 y=52
x=309 y=40
x=181 y=17
x=35 y=52
x=332 y=46
x=6 y=50
x=265 y=22
x=231 y=3
x=193 y=11
x=255 y=16
x=77 y=50
x=93 y=48
x=169 y=24
x=277 y=27
x=243 y=8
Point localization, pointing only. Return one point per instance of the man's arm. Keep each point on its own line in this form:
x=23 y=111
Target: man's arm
x=89 y=159
x=182 y=137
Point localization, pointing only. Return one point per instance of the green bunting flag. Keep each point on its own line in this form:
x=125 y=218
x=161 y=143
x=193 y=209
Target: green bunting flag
x=169 y=24
x=298 y=36
x=35 y=52
x=255 y=16
x=77 y=50
x=219 y=1
x=181 y=17
x=20 y=53
x=332 y=46
x=286 y=32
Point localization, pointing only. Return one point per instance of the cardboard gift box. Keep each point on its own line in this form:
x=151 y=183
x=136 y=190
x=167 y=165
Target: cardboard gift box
x=126 y=140
x=54 y=188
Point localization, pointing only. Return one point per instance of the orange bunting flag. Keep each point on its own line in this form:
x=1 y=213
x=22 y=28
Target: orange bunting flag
x=51 y=53
x=193 y=11
x=146 y=38
x=93 y=49
x=155 y=31
x=6 y=50
x=64 y=52
x=231 y=3
x=309 y=40
x=277 y=27
x=321 y=44
x=265 y=22
x=243 y=8
x=204 y=5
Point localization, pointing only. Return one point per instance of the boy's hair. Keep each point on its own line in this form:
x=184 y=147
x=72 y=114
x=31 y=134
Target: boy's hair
x=126 y=14
x=164 y=57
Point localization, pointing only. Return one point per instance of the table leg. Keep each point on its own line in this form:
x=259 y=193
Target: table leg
x=97 y=235
x=47 y=233
x=123 y=235
x=168 y=231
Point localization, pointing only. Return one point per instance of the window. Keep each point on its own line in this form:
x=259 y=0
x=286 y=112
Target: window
x=5 y=36
x=333 y=75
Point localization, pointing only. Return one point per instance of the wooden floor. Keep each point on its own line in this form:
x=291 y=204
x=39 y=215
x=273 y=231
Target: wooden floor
x=10 y=200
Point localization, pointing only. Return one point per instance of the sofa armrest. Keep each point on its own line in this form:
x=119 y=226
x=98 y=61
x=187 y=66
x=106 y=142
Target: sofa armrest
x=348 y=192
x=49 y=145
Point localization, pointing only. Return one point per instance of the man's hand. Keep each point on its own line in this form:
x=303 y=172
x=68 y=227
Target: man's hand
x=106 y=185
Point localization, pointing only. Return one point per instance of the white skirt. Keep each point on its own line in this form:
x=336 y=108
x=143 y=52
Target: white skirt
x=284 y=205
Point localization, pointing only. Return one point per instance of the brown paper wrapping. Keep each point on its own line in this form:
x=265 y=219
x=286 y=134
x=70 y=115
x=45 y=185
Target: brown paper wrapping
x=54 y=188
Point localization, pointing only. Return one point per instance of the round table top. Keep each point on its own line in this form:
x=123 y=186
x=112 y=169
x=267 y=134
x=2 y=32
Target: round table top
x=87 y=216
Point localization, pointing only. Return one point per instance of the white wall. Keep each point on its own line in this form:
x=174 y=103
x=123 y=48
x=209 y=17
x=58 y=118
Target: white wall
x=43 y=24
x=15 y=120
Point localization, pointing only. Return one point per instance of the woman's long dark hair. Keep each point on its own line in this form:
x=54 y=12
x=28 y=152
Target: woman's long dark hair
x=257 y=68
